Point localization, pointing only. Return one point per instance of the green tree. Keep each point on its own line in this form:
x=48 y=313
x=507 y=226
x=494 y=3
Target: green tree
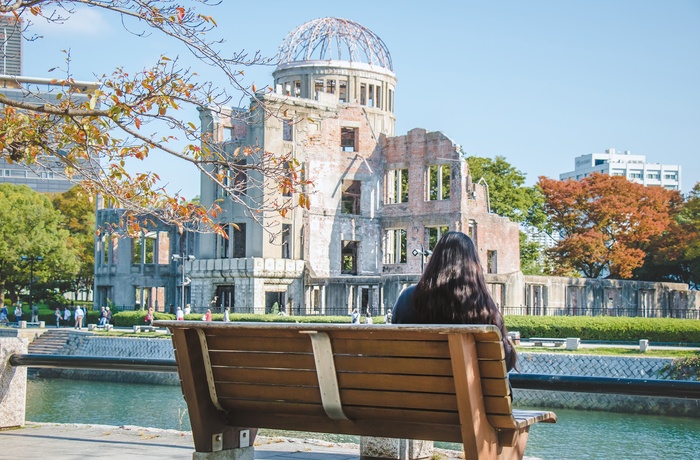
x=31 y=227
x=509 y=197
x=78 y=210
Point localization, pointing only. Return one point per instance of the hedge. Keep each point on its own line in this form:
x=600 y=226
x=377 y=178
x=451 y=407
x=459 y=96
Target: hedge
x=606 y=328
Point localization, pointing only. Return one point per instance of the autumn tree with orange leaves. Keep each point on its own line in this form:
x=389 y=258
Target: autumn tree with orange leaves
x=606 y=223
x=99 y=132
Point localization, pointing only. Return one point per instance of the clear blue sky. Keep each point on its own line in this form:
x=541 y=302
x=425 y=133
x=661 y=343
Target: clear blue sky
x=538 y=82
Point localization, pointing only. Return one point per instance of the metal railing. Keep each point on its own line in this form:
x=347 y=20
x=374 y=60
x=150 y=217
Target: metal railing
x=631 y=312
x=570 y=383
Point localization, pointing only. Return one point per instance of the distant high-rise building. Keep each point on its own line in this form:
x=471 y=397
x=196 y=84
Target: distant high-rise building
x=11 y=51
x=634 y=167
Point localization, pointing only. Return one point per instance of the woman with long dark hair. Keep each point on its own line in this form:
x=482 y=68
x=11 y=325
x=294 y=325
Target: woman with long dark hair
x=452 y=290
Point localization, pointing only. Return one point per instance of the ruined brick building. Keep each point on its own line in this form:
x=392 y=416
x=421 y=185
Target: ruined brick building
x=376 y=199
x=379 y=203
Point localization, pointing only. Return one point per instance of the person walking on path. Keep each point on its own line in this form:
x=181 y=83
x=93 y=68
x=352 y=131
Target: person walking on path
x=103 y=316
x=58 y=316
x=108 y=319
x=18 y=312
x=66 y=316
x=355 y=317
x=207 y=315
x=149 y=316
x=35 y=313
x=227 y=315
x=3 y=315
x=180 y=315
x=452 y=290
x=79 y=313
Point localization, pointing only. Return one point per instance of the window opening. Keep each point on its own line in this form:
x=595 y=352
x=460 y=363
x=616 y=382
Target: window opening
x=350 y=198
x=492 y=262
x=471 y=230
x=349 y=258
x=286 y=241
x=395 y=246
x=363 y=94
x=348 y=139
x=239 y=241
x=318 y=86
x=370 y=96
x=343 y=91
x=379 y=97
x=439 y=182
x=330 y=86
x=434 y=235
x=287 y=130
x=397 y=186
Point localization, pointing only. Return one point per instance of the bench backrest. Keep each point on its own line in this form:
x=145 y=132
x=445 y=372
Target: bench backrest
x=388 y=381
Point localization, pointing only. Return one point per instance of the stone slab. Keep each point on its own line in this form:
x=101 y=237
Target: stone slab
x=13 y=383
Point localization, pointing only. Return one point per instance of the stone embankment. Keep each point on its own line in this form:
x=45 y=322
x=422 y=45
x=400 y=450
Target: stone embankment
x=529 y=363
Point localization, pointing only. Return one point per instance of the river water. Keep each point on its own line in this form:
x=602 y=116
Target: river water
x=578 y=435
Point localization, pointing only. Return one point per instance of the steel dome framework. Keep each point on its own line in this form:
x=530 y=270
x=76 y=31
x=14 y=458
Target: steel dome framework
x=328 y=39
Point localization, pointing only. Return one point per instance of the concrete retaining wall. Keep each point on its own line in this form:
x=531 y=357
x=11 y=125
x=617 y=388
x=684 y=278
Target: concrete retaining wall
x=601 y=366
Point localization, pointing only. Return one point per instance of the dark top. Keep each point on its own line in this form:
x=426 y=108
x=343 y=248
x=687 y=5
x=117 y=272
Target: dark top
x=405 y=313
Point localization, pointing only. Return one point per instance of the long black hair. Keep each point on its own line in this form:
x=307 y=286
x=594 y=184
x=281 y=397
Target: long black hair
x=453 y=290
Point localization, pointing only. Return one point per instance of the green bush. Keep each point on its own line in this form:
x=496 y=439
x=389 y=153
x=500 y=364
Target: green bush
x=130 y=318
x=606 y=328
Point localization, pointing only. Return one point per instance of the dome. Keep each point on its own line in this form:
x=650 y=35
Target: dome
x=327 y=39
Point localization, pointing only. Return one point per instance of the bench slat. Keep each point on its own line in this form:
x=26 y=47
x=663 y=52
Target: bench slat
x=266 y=376
x=399 y=348
x=492 y=369
x=418 y=366
x=424 y=401
x=360 y=427
x=490 y=350
x=495 y=387
x=415 y=383
x=295 y=344
x=263 y=360
x=498 y=405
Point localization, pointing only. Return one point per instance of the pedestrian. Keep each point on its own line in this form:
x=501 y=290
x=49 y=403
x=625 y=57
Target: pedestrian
x=57 y=314
x=180 y=315
x=387 y=317
x=103 y=316
x=188 y=310
x=18 y=312
x=355 y=317
x=66 y=316
x=35 y=313
x=227 y=315
x=368 y=319
x=79 y=313
x=3 y=315
x=453 y=290
x=207 y=315
x=108 y=319
x=149 y=316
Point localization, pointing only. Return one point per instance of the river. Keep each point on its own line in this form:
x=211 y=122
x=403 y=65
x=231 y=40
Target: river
x=578 y=435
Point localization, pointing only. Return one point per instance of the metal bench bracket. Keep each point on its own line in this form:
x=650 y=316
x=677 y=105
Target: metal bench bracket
x=327 y=378
x=207 y=368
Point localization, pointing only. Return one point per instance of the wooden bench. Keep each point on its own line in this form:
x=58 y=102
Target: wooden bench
x=397 y=381
x=544 y=341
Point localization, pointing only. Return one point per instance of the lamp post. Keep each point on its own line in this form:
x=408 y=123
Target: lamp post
x=182 y=260
x=423 y=254
x=31 y=260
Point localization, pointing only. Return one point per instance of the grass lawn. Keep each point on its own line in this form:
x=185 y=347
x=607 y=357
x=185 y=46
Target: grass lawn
x=615 y=351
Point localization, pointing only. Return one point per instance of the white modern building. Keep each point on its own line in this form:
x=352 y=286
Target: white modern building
x=634 y=167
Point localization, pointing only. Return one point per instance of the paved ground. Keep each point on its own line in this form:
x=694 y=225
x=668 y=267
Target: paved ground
x=49 y=441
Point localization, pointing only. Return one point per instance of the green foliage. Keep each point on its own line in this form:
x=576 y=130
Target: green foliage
x=31 y=227
x=532 y=258
x=606 y=328
x=508 y=194
x=684 y=368
x=138 y=317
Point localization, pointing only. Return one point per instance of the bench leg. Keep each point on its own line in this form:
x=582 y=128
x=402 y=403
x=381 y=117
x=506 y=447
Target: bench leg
x=213 y=437
x=516 y=451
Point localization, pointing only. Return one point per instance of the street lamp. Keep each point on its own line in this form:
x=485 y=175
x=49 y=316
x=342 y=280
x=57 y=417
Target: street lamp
x=182 y=260
x=423 y=253
x=31 y=260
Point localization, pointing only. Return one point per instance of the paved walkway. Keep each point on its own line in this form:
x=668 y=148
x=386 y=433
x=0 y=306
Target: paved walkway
x=43 y=441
